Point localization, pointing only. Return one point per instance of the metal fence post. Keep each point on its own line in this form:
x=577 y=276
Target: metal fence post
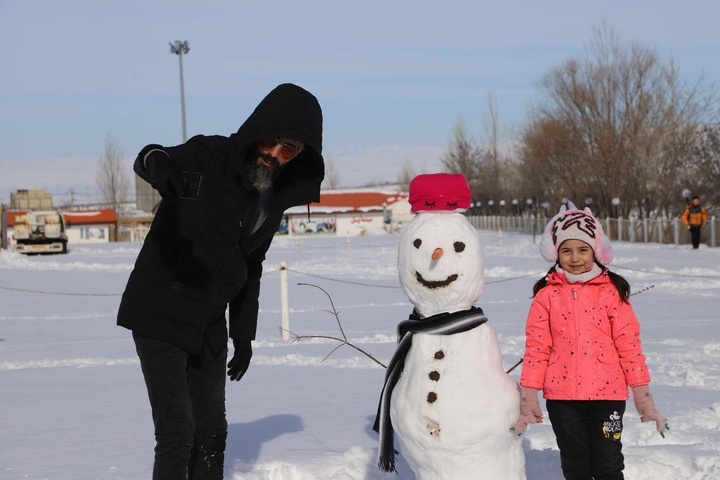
x=284 y=304
x=713 y=241
x=608 y=232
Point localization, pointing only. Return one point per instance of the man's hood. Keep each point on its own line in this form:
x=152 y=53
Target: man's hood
x=292 y=112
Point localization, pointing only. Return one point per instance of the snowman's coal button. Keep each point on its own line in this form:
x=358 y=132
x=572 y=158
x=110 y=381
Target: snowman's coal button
x=432 y=396
x=439 y=355
x=434 y=375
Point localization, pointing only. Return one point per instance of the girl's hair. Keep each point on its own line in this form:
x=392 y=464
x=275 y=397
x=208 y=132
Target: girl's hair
x=622 y=285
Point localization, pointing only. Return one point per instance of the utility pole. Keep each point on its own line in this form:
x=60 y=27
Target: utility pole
x=3 y=227
x=181 y=48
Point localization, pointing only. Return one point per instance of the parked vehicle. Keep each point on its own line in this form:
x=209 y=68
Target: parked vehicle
x=41 y=231
x=284 y=226
x=314 y=227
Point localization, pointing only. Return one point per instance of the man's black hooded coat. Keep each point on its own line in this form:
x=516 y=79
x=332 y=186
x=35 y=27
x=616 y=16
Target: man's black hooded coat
x=199 y=255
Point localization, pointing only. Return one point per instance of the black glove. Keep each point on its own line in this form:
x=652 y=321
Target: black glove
x=239 y=363
x=164 y=175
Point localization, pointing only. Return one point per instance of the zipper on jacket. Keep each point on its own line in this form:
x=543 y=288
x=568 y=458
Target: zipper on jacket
x=577 y=343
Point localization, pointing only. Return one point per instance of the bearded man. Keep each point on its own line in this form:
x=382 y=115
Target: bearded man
x=223 y=199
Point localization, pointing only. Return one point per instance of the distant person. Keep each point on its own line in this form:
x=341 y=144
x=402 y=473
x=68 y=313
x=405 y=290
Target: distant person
x=583 y=350
x=694 y=218
x=223 y=199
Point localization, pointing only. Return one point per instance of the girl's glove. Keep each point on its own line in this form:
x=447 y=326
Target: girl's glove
x=645 y=406
x=529 y=410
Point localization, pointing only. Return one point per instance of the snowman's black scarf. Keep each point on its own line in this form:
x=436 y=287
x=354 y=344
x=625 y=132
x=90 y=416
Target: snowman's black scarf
x=440 y=324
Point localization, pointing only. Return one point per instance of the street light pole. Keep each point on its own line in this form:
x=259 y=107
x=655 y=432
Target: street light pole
x=179 y=48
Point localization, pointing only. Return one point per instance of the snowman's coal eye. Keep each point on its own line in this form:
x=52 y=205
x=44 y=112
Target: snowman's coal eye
x=459 y=246
x=417 y=243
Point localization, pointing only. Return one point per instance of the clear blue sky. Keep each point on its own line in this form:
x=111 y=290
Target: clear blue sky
x=387 y=73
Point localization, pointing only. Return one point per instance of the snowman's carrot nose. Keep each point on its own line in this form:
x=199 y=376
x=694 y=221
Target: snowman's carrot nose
x=437 y=253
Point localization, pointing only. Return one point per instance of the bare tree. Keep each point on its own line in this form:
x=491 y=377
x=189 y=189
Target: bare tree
x=407 y=173
x=702 y=168
x=494 y=174
x=332 y=175
x=463 y=156
x=489 y=165
x=615 y=124
x=111 y=179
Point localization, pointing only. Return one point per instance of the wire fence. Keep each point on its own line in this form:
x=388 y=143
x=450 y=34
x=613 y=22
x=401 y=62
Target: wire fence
x=361 y=283
x=647 y=230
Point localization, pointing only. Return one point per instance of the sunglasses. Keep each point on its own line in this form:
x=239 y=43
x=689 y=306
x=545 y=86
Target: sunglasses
x=287 y=151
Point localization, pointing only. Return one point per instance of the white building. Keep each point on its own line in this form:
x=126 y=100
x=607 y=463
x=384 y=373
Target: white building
x=351 y=212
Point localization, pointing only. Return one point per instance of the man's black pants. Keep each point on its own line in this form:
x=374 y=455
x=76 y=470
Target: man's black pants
x=187 y=397
x=695 y=236
x=588 y=435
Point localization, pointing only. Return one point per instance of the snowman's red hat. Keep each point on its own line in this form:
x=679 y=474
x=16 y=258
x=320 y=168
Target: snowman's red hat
x=439 y=192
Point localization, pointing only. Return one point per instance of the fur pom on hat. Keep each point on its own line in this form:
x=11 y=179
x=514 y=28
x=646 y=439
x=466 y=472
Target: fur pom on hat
x=574 y=224
x=437 y=192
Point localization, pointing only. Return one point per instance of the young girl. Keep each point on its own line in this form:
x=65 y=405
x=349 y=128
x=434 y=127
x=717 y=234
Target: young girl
x=583 y=350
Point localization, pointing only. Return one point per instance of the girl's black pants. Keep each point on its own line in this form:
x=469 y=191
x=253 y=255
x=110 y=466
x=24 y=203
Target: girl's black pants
x=588 y=433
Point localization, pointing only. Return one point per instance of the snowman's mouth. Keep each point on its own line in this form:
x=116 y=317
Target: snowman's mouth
x=436 y=283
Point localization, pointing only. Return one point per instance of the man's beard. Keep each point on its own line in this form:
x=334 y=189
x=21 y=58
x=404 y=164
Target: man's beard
x=262 y=177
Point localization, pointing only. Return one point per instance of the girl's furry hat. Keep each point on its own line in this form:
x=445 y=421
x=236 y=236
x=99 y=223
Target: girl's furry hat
x=574 y=224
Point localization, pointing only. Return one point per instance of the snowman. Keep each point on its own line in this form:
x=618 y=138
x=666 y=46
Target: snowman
x=447 y=398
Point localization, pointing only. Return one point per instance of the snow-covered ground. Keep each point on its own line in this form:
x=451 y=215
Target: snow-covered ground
x=73 y=404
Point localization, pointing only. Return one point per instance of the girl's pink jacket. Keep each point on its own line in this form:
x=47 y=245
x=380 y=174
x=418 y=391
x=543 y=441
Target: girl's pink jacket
x=582 y=342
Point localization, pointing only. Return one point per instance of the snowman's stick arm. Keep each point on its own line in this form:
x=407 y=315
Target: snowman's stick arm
x=297 y=337
x=363 y=352
x=517 y=364
x=343 y=341
x=333 y=311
